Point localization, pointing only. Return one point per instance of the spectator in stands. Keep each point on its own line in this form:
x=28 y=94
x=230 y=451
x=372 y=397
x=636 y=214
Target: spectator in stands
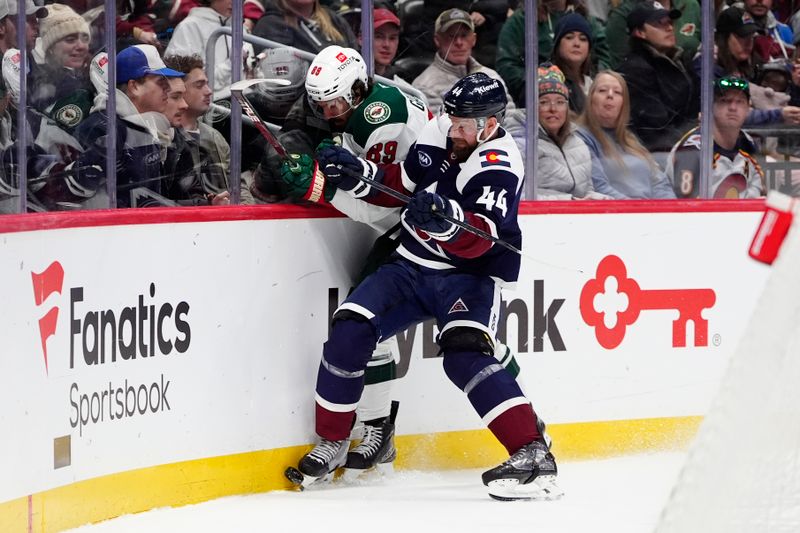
x=8 y=24
x=304 y=24
x=192 y=34
x=565 y=164
x=141 y=94
x=686 y=27
x=773 y=37
x=735 y=171
x=621 y=167
x=135 y=23
x=8 y=27
x=176 y=104
x=210 y=153
x=455 y=39
x=571 y=54
x=488 y=17
x=664 y=91
x=511 y=42
x=60 y=88
x=386 y=37
x=735 y=38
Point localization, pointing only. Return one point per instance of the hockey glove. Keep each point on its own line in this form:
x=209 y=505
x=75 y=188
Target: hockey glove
x=303 y=179
x=342 y=169
x=327 y=143
x=421 y=213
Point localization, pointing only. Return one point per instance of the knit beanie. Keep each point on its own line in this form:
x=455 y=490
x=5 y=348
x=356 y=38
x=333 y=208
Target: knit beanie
x=60 y=21
x=572 y=21
x=551 y=81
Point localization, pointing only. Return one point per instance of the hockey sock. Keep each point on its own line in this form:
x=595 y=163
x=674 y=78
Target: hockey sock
x=515 y=427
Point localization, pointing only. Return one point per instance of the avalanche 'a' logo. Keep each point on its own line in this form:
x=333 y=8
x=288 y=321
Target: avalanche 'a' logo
x=45 y=283
x=494 y=158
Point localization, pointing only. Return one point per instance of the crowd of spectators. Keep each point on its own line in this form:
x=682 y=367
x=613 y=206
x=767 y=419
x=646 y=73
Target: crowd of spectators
x=619 y=92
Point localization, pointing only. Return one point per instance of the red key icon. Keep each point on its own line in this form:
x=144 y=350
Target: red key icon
x=689 y=303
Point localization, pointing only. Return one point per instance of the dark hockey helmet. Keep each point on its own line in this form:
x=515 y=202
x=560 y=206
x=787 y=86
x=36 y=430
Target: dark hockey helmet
x=476 y=96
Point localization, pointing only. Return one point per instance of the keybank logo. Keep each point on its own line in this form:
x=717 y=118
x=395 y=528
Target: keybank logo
x=612 y=301
x=45 y=283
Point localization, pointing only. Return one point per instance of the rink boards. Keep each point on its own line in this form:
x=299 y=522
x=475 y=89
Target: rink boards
x=164 y=357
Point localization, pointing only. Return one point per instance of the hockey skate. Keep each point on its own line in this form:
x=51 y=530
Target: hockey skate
x=376 y=449
x=529 y=474
x=320 y=464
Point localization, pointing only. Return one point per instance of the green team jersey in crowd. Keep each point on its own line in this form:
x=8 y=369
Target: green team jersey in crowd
x=687 y=29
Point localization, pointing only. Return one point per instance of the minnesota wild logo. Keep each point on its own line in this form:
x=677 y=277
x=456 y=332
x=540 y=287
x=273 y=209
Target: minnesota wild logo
x=70 y=115
x=377 y=112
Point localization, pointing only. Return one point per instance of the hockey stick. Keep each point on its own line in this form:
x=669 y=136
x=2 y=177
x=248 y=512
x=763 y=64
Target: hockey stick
x=397 y=195
x=237 y=90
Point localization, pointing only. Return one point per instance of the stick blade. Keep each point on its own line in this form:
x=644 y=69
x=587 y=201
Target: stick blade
x=241 y=85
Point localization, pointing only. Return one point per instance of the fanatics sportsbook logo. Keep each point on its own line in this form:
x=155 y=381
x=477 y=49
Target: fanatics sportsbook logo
x=627 y=300
x=45 y=283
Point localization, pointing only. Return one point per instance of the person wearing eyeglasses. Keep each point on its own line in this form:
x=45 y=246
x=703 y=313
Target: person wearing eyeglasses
x=621 y=166
x=565 y=164
x=664 y=89
x=735 y=171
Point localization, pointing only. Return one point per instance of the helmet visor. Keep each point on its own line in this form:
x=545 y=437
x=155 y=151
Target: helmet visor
x=330 y=109
x=459 y=127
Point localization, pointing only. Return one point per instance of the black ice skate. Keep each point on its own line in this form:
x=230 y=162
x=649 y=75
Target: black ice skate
x=376 y=448
x=320 y=464
x=529 y=474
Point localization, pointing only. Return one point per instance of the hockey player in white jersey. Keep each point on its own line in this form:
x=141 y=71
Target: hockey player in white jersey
x=379 y=123
x=466 y=166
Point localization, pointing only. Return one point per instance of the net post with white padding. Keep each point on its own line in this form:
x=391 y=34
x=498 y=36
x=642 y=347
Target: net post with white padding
x=742 y=472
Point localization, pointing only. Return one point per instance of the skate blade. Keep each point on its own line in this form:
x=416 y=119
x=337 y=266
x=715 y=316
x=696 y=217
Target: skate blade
x=543 y=488
x=303 y=482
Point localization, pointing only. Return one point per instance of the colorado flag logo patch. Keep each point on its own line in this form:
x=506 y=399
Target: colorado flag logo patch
x=494 y=158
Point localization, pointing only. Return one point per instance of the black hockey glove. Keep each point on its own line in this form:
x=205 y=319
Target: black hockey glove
x=421 y=213
x=341 y=169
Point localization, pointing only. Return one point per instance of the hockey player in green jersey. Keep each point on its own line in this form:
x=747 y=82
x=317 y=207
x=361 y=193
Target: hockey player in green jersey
x=378 y=123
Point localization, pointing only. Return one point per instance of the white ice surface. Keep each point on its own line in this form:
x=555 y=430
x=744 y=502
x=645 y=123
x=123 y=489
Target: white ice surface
x=622 y=495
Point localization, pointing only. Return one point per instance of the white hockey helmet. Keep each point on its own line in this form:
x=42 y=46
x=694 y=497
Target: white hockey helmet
x=12 y=64
x=280 y=63
x=98 y=72
x=333 y=73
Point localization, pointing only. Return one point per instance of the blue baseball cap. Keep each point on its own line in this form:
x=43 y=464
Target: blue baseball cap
x=141 y=60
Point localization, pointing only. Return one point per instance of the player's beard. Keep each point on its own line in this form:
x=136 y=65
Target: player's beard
x=461 y=150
